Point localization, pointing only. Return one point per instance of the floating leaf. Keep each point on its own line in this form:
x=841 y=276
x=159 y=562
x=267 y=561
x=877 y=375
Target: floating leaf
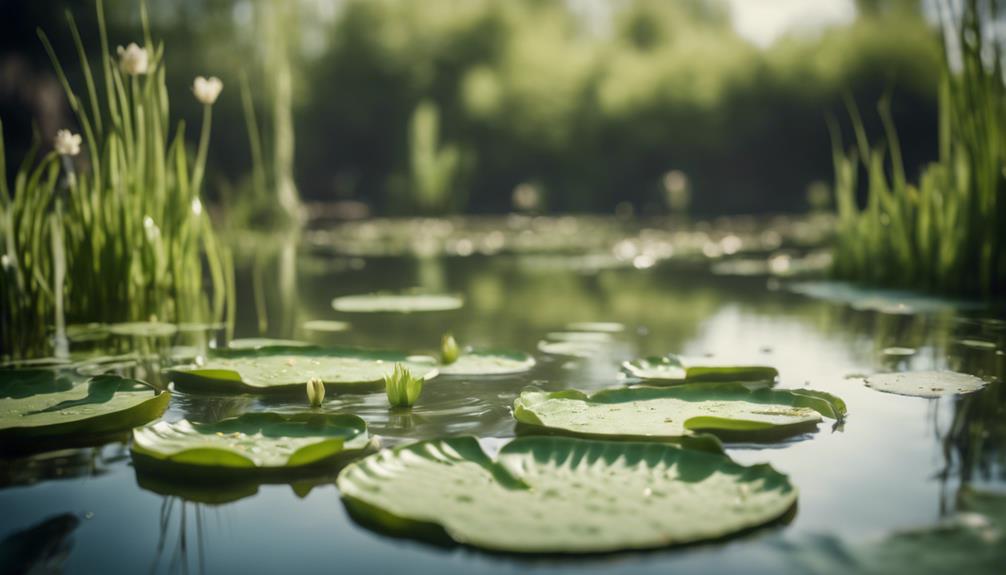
x=602 y=327
x=326 y=325
x=250 y=442
x=979 y=344
x=254 y=343
x=287 y=369
x=561 y=495
x=38 y=404
x=580 y=336
x=882 y=300
x=82 y=333
x=143 y=329
x=899 y=351
x=729 y=410
x=397 y=303
x=925 y=383
x=678 y=369
x=583 y=349
x=489 y=363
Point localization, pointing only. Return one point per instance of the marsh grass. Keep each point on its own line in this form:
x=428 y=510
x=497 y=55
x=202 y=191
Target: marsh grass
x=138 y=241
x=946 y=233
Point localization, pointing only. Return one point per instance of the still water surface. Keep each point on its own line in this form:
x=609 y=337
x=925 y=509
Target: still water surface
x=894 y=463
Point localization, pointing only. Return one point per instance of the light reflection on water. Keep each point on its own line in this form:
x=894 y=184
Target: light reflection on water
x=893 y=463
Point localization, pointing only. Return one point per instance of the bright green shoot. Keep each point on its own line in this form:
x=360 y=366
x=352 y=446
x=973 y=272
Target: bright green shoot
x=449 y=351
x=402 y=387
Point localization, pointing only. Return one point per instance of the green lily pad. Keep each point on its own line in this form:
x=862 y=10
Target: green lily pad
x=596 y=326
x=258 y=442
x=677 y=369
x=326 y=325
x=728 y=410
x=397 y=303
x=582 y=349
x=925 y=383
x=899 y=351
x=143 y=329
x=244 y=343
x=561 y=495
x=40 y=405
x=489 y=363
x=287 y=369
x=979 y=344
x=87 y=332
x=580 y=336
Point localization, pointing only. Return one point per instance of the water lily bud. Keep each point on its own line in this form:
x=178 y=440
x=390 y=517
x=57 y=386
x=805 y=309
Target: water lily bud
x=133 y=60
x=315 y=391
x=207 y=90
x=449 y=351
x=67 y=143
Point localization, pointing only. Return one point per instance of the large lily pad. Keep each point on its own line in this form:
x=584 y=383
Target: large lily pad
x=679 y=369
x=562 y=495
x=489 y=363
x=287 y=369
x=37 y=405
x=258 y=442
x=397 y=303
x=925 y=383
x=728 y=410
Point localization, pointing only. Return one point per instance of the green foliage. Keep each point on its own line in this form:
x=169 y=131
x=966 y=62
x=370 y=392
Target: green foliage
x=433 y=169
x=948 y=232
x=132 y=229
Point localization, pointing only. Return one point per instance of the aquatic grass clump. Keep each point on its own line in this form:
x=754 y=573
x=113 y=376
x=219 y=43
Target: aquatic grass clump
x=948 y=232
x=128 y=238
x=402 y=387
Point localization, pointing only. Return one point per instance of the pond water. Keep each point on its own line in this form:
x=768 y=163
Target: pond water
x=896 y=462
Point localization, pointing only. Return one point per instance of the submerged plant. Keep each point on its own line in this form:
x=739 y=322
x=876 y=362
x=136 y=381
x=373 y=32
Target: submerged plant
x=449 y=351
x=315 y=391
x=402 y=387
x=130 y=231
x=948 y=232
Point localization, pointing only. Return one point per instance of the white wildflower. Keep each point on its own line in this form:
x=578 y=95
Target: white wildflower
x=67 y=143
x=207 y=89
x=133 y=60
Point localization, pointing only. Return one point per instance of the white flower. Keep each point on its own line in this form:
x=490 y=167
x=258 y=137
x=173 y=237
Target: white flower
x=133 y=59
x=207 y=89
x=67 y=143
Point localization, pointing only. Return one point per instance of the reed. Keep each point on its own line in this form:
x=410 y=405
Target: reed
x=137 y=241
x=946 y=233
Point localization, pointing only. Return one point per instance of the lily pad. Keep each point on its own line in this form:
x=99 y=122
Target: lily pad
x=728 y=410
x=143 y=329
x=899 y=351
x=287 y=369
x=397 y=303
x=489 y=363
x=582 y=349
x=87 y=332
x=677 y=369
x=597 y=326
x=580 y=336
x=40 y=405
x=561 y=495
x=244 y=343
x=326 y=325
x=925 y=383
x=257 y=442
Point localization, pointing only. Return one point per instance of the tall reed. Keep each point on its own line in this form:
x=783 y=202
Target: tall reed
x=948 y=232
x=137 y=238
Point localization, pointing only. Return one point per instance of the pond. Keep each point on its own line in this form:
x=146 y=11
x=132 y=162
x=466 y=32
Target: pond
x=896 y=462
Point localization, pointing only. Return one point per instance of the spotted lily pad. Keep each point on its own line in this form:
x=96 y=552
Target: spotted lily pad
x=250 y=442
x=925 y=383
x=42 y=405
x=678 y=369
x=489 y=363
x=397 y=303
x=561 y=495
x=287 y=369
x=728 y=410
